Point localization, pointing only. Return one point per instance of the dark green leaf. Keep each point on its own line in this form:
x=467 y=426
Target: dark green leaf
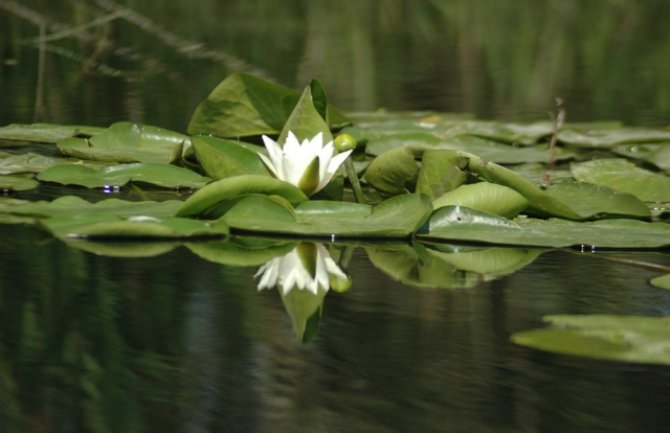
x=393 y=172
x=222 y=158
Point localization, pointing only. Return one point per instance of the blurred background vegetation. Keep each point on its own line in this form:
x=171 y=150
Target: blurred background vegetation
x=153 y=61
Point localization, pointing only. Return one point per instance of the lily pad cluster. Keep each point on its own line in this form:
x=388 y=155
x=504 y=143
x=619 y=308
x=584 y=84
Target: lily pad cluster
x=426 y=179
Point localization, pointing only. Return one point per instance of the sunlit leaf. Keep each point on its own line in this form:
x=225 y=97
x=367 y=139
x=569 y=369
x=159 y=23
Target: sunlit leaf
x=440 y=172
x=484 y=196
x=620 y=338
x=397 y=217
x=663 y=281
x=244 y=105
x=393 y=172
x=128 y=142
x=221 y=158
x=17 y=183
x=204 y=202
x=623 y=175
x=46 y=132
x=155 y=174
x=461 y=224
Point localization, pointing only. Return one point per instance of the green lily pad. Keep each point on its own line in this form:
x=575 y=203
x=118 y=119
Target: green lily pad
x=582 y=203
x=485 y=196
x=623 y=175
x=17 y=183
x=243 y=105
x=609 y=137
x=393 y=172
x=620 y=338
x=128 y=142
x=662 y=282
x=46 y=132
x=440 y=172
x=205 y=201
x=454 y=223
x=156 y=174
x=70 y=206
x=221 y=158
x=397 y=217
x=27 y=163
x=124 y=248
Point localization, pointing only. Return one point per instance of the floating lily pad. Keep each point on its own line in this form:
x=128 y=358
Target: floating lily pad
x=17 y=183
x=485 y=196
x=128 y=142
x=27 y=163
x=222 y=158
x=204 y=202
x=619 y=338
x=608 y=137
x=623 y=175
x=397 y=217
x=453 y=223
x=393 y=172
x=663 y=281
x=441 y=171
x=155 y=174
x=70 y=206
x=46 y=132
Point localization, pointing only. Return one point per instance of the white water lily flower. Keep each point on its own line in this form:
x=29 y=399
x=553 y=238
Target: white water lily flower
x=309 y=165
x=307 y=267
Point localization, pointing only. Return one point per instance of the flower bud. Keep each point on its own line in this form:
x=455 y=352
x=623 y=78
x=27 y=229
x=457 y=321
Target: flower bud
x=344 y=142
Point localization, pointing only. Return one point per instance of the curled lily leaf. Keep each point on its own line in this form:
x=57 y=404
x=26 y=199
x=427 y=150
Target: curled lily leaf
x=309 y=165
x=307 y=267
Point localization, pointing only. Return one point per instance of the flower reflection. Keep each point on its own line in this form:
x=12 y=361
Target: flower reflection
x=307 y=267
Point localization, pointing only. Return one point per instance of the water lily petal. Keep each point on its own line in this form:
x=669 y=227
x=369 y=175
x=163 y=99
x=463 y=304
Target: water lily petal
x=332 y=167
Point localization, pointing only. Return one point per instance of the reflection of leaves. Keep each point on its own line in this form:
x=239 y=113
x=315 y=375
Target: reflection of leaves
x=663 y=281
x=17 y=183
x=621 y=338
x=428 y=267
x=305 y=309
x=241 y=251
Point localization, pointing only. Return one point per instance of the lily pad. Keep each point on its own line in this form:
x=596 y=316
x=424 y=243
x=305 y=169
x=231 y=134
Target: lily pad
x=441 y=171
x=70 y=206
x=243 y=105
x=608 y=137
x=305 y=120
x=17 y=183
x=485 y=196
x=221 y=158
x=155 y=174
x=205 y=201
x=623 y=175
x=662 y=282
x=46 y=132
x=128 y=142
x=393 y=172
x=620 y=338
x=454 y=223
x=397 y=217
x=27 y=163
x=124 y=248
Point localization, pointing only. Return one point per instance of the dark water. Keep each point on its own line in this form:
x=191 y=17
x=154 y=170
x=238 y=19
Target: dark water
x=92 y=343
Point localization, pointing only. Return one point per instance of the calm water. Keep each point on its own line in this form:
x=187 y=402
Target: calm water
x=93 y=343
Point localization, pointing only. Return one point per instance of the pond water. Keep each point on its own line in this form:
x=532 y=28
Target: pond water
x=176 y=342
